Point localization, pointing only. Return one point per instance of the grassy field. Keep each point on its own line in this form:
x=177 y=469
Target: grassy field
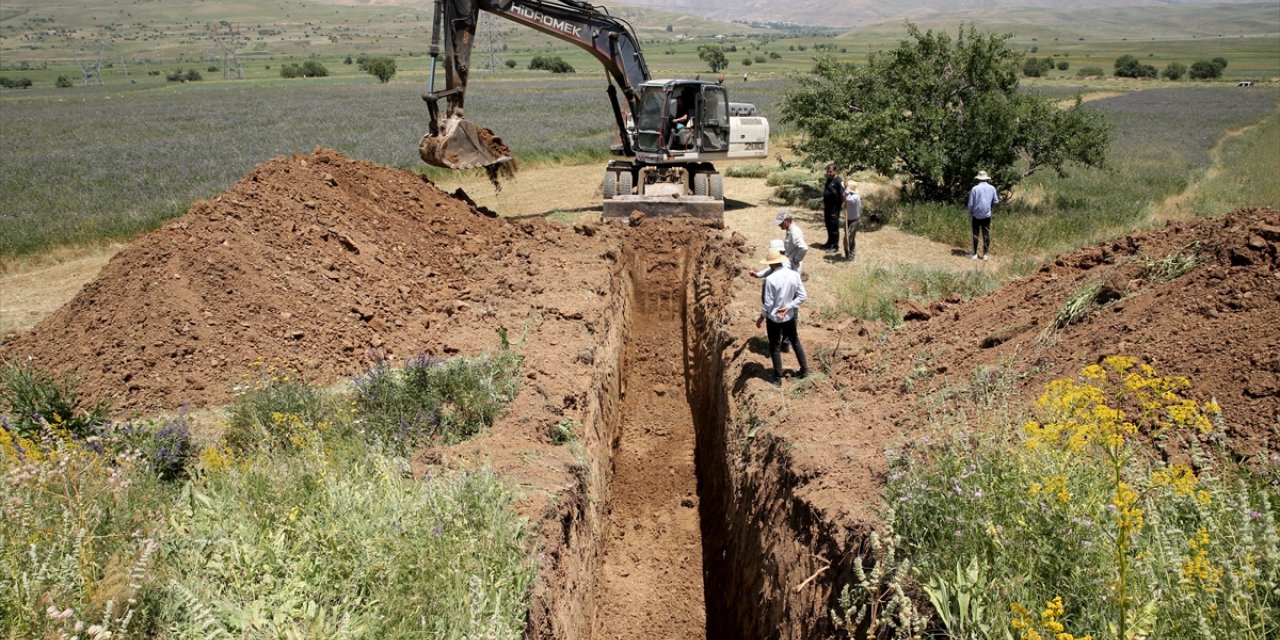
x=1162 y=142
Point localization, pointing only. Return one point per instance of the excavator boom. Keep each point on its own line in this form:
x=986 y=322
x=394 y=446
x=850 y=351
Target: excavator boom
x=456 y=143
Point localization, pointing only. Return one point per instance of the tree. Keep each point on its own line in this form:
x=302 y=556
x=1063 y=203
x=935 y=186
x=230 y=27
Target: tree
x=714 y=56
x=383 y=68
x=1220 y=62
x=1204 y=70
x=1174 y=71
x=1031 y=68
x=938 y=110
x=1128 y=66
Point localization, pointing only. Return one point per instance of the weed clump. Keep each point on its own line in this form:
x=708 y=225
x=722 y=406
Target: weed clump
x=1078 y=514
x=34 y=400
x=431 y=400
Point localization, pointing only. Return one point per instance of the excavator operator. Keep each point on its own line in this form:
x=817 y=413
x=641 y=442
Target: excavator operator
x=681 y=128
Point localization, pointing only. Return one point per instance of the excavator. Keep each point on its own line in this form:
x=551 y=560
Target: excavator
x=669 y=131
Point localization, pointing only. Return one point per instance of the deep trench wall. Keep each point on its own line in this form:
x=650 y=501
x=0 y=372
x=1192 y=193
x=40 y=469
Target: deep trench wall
x=773 y=563
x=562 y=605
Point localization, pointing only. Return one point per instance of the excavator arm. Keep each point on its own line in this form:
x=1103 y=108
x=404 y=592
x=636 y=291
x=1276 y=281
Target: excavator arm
x=456 y=143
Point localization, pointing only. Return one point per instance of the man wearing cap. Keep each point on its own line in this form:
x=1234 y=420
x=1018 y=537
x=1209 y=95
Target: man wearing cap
x=783 y=295
x=982 y=198
x=793 y=246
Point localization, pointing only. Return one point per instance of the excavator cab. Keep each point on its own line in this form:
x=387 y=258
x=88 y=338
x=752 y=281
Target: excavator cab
x=681 y=116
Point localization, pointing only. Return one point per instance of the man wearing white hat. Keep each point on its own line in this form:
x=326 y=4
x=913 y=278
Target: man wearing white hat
x=982 y=198
x=783 y=294
x=793 y=246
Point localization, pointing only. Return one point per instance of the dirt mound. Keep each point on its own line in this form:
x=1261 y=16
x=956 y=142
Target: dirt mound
x=1218 y=324
x=312 y=261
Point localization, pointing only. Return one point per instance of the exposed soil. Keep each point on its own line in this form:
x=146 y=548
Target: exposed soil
x=651 y=582
x=697 y=500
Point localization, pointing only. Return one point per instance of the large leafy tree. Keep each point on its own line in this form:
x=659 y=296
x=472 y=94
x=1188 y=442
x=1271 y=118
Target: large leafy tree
x=714 y=56
x=936 y=111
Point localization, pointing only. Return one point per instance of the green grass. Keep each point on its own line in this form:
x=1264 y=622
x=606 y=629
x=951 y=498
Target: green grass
x=310 y=530
x=1246 y=177
x=873 y=293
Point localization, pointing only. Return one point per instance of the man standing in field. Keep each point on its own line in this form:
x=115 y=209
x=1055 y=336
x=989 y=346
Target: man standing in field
x=793 y=245
x=982 y=198
x=783 y=295
x=852 y=216
x=832 y=202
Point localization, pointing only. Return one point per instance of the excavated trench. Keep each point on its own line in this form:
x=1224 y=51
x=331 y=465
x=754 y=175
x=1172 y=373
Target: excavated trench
x=681 y=530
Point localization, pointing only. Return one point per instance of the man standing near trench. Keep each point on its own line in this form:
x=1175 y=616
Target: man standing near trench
x=783 y=294
x=832 y=206
x=793 y=245
x=982 y=198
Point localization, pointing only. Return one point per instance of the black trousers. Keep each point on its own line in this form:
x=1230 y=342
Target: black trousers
x=831 y=219
x=778 y=331
x=982 y=226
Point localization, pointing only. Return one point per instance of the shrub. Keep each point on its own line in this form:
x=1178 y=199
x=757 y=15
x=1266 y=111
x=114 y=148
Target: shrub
x=746 y=62
x=1091 y=72
x=62 y=82
x=554 y=64
x=178 y=75
x=277 y=410
x=511 y=64
x=33 y=400
x=430 y=400
x=1063 y=65
x=1128 y=66
x=383 y=68
x=15 y=83
x=313 y=69
x=213 y=68
x=1112 y=538
x=1174 y=71
x=308 y=69
x=1205 y=70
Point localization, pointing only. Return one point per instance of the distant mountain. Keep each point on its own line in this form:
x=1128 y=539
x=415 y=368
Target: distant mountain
x=854 y=13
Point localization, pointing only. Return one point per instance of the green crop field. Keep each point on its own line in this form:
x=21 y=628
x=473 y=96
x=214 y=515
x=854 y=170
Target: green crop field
x=86 y=163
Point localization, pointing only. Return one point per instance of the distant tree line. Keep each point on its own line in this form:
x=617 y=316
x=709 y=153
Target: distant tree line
x=1128 y=66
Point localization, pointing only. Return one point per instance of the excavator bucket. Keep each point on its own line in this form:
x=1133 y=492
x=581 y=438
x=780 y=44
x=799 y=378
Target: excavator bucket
x=463 y=145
